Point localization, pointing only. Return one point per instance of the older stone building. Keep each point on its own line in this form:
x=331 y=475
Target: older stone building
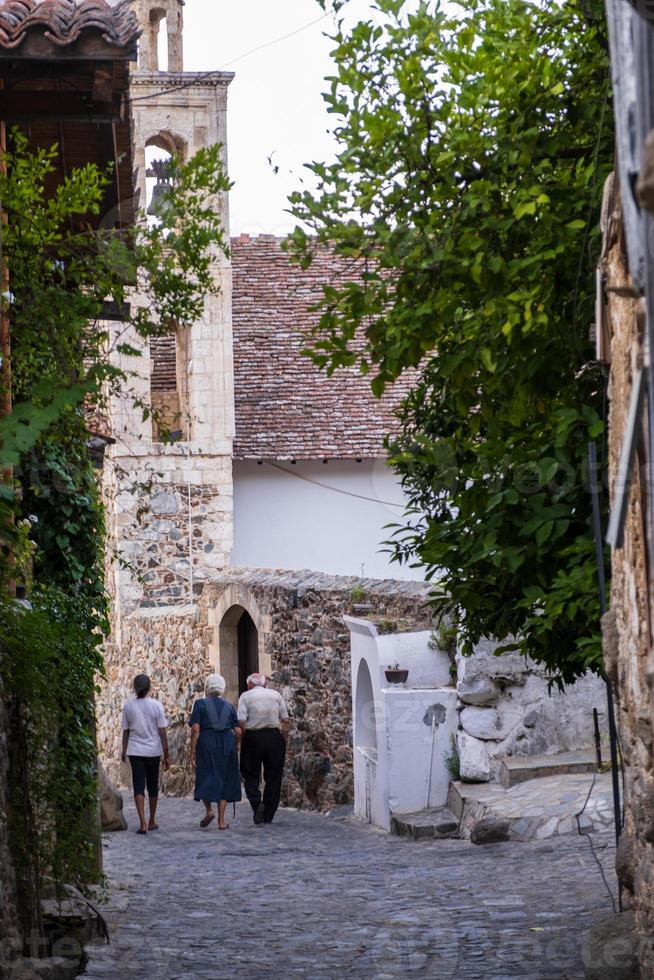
x=257 y=422
x=171 y=505
x=64 y=78
x=627 y=627
x=290 y=624
x=627 y=636
x=625 y=334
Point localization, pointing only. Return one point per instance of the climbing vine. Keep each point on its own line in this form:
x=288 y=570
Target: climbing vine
x=50 y=657
x=474 y=142
x=62 y=272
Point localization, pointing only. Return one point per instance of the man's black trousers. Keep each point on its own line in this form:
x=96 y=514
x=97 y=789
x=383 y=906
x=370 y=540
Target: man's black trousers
x=263 y=747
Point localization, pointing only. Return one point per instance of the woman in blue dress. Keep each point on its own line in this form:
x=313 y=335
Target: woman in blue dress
x=215 y=737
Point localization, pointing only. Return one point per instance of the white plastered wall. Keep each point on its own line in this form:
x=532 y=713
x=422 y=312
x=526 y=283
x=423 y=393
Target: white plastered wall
x=401 y=733
x=330 y=518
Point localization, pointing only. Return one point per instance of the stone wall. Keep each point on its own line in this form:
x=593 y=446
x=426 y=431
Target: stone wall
x=10 y=943
x=171 y=518
x=165 y=643
x=303 y=645
x=170 y=507
x=628 y=641
x=508 y=709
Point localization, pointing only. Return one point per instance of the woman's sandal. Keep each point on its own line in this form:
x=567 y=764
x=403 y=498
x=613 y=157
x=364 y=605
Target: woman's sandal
x=207 y=820
x=142 y=832
x=226 y=827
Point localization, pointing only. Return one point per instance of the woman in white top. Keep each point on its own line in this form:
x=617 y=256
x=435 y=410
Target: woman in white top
x=144 y=739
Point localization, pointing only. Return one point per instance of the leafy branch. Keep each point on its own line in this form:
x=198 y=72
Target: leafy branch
x=472 y=149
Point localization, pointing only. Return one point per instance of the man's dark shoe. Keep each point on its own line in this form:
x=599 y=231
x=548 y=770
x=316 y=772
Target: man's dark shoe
x=259 y=814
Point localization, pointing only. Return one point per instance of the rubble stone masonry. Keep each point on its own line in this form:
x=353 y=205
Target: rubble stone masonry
x=627 y=629
x=303 y=645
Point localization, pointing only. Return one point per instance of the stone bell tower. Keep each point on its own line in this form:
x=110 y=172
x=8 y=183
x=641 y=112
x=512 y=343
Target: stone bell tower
x=153 y=17
x=170 y=510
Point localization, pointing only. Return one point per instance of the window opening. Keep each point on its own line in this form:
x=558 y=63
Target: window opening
x=162 y=45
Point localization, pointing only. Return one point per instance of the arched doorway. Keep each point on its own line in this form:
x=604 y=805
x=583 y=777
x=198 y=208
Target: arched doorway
x=248 y=650
x=365 y=722
x=365 y=745
x=238 y=639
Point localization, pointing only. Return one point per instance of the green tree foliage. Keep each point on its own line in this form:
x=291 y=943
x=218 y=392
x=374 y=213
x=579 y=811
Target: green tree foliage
x=474 y=142
x=62 y=272
x=59 y=493
x=50 y=656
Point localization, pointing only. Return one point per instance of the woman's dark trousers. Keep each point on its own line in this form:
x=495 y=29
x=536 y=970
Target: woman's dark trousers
x=263 y=747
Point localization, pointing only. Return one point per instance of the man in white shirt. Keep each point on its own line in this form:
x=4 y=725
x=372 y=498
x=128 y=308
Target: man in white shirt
x=263 y=718
x=145 y=738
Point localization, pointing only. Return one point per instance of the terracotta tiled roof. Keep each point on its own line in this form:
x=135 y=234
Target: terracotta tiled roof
x=63 y=22
x=286 y=408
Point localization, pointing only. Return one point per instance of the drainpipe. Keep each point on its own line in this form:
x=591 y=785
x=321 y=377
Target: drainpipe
x=599 y=551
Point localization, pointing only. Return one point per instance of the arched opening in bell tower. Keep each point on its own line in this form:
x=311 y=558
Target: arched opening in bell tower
x=158 y=38
x=169 y=356
x=162 y=42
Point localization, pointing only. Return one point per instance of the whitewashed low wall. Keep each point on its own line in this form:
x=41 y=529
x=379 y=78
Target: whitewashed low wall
x=499 y=706
x=401 y=733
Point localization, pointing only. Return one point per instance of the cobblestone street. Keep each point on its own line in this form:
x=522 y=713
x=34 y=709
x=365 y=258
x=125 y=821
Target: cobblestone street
x=321 y=897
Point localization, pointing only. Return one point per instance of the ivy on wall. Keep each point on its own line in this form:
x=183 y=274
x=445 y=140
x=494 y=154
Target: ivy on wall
x=61 y=273
x=50 y=657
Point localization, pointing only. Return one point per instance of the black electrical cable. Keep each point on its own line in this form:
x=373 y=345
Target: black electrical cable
x=583 y=833
x=202 y=76
x=326 y=486
x=599 y=551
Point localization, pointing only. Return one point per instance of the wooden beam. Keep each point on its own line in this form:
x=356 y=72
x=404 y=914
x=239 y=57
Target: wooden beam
x=58 y=105
x=5 y=335
x=107 y=155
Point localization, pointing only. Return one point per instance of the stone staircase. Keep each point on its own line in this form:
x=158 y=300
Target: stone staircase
x=537 y=797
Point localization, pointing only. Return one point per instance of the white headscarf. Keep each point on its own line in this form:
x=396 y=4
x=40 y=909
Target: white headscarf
x=215 y=684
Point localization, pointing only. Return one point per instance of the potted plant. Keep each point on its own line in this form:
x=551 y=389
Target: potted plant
x=396 y=674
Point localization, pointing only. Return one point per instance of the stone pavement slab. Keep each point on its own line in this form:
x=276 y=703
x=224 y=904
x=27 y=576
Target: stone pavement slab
x=330 y=899
x=539 y=808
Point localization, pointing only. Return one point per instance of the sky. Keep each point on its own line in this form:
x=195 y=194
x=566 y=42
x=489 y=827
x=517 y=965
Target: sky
x=275 y=103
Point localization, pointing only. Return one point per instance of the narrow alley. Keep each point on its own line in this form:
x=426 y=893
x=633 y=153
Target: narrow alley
x=324 y=897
